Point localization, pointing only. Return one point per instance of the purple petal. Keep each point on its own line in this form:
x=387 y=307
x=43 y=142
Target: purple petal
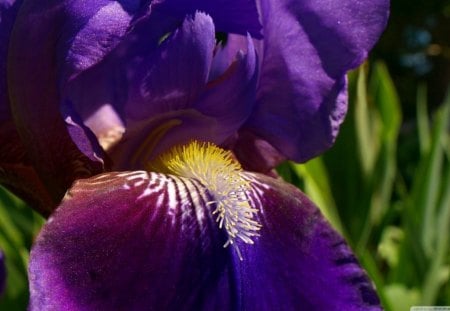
x=174 y=75
x=299 y=257
x=16 y=171
x=91 y=30
x=151 y=253
x=236 y=16
x=35 y=98
x=230 y=98
x=150 y=138
x=256 y=154
x=226 y=55
x=137 y=240
x=109 y=82
x=85 y=139
x=308 y=47
x=175 y=89
x=95 y=98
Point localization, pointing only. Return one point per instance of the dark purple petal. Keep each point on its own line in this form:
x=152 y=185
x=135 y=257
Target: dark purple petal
x=16 y=171
x=236 y=16
x=82 y=136
x=299 y=261
x=308 y=47
x=256 y=154
x=121 y=241
x=8 y=12
x=35 y=97
x=18 y=174
x=137 y=240
x=95 y=97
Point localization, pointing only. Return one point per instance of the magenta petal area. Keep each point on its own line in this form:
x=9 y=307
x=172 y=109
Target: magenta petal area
x=147 y=241
x=131 y=241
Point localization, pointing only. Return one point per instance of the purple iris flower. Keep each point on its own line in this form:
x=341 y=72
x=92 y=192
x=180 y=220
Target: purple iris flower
x=108 y=88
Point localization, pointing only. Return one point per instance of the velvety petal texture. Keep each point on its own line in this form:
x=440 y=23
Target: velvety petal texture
x=16 y=171
x=35 y=97
x=308 y=47
x=139 y=241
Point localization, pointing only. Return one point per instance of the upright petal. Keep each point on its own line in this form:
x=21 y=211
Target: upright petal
x=91 y=30
x=175 y=74
x=35 y=96
x=173 y=87
x=230 y=97
x=308 y=47
x=235 y=16
x=101 y=93
x=16 y=171
x=134 y=240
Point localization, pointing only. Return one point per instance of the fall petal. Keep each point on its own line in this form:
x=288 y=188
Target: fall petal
x=299 y=261
x=130 y=241
x=134 y=240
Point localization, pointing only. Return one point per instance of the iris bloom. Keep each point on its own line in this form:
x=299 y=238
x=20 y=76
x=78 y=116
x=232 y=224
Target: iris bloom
x=139 y=95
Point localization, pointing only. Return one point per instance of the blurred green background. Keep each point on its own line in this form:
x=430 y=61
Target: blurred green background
x=385 y=185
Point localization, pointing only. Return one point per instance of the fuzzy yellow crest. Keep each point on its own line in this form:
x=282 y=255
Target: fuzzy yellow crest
x=217 y=170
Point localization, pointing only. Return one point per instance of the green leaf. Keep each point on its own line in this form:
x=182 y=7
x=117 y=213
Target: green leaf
x=18 y=225
x=401 y=298
x=317 y=187
x=422 y=120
